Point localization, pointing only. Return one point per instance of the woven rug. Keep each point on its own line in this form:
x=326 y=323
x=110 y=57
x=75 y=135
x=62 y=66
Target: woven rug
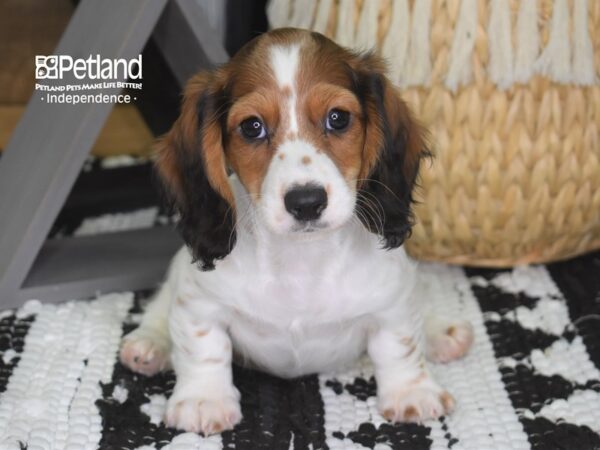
x=532 y=379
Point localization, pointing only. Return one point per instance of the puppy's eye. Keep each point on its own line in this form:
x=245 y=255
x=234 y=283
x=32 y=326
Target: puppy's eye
x=253 y=128
x=337 y=120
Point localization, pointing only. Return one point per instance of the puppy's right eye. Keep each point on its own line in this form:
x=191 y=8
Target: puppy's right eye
x=253 y=128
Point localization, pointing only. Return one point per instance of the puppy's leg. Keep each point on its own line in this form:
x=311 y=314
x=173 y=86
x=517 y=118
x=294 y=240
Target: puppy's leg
x=447 y=339
x=146 y=349
x=204 y=398
x=405 y=389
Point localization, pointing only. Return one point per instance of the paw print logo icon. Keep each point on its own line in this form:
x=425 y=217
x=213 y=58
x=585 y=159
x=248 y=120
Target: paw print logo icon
x=46 y=67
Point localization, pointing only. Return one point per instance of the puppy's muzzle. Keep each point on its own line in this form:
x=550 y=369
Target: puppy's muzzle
x=305 y=203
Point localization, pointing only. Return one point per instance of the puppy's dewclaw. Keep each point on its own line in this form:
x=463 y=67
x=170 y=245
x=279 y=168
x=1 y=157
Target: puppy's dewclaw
x=447 y=340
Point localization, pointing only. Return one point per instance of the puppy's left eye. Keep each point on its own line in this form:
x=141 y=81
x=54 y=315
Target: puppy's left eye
x=337 y=120
x=253 y=128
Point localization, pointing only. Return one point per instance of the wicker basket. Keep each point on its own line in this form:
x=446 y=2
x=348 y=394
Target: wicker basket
x=516 y=177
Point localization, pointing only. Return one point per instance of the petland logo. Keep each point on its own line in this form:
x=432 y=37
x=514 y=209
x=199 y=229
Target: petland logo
x=54 y=67
x=98 y=79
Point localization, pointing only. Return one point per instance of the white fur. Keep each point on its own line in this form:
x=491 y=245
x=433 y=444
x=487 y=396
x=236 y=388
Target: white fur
x=285 y=173
x=284 y=62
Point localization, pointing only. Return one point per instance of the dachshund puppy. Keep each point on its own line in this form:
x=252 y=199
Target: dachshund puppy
x=294 y=262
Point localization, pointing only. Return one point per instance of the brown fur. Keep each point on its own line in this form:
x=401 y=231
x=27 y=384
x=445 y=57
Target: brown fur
x=183 y=137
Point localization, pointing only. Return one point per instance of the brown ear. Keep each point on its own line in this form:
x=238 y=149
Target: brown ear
x=394 y=146
x=192 y=165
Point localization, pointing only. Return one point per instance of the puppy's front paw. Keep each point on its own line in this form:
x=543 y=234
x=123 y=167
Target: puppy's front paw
x=144 y=352
x=203 y=415
x=415 y=404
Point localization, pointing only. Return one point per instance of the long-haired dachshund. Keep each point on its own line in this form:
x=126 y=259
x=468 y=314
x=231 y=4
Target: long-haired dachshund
x=292 y=169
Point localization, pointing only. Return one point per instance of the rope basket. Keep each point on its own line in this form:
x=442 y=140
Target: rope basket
x=509 y=92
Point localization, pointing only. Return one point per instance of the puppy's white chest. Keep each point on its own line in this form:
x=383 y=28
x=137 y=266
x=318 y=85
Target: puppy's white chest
x=302 y=322
x=304 y=309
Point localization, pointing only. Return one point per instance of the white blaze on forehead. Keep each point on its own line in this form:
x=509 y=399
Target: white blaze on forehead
x=284 y=62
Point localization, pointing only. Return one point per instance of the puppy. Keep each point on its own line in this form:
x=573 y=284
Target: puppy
x=294 y=263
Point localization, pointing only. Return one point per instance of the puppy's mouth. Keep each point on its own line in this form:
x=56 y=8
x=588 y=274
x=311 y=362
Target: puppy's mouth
x=309 y=227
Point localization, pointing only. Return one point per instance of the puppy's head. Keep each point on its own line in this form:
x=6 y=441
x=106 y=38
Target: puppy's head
x=315 y=133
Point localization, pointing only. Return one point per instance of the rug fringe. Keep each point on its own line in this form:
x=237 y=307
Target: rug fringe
x=322 y=15
x=555 y=60
x=366 y=33
x=583 y=51
x=418 y=69
x=395 y=44
x=278 y=13
x=528 y=41
x=344 y=33
x=500 y=66
x=460 y=68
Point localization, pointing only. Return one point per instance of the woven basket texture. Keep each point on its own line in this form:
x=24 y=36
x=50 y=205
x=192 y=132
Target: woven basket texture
x=516 y=174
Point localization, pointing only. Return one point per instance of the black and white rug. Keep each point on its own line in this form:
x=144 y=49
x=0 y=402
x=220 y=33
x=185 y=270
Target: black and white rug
x=532 y=379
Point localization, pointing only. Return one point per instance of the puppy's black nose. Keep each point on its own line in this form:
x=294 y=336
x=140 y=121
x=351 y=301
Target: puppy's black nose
x=305 y=202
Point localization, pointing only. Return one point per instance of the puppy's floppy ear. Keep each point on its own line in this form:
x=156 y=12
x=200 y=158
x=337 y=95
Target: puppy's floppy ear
x=394 y=146
x=192 y=165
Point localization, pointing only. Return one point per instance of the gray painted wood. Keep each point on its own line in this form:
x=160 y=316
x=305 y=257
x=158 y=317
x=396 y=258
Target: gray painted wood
x=187 y=40
x=51 y=142
x=126 y=260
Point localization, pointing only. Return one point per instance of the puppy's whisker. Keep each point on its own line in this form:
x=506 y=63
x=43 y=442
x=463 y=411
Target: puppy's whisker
x=369 y=211
x=358 y=180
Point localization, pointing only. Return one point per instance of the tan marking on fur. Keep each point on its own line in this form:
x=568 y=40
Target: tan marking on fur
x=282 y=156
x=344 y=148
x=451 y=331
x=216 y=427
x=389 y=414
x=306 y=160
x=406 y=341
x=250 y=159
x=411 y=414
x=212 y=361
x=286 y=91
x=447 y=401
x=202 y=332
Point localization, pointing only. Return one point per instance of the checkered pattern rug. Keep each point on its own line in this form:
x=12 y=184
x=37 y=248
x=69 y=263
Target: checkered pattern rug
x=532 y=379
